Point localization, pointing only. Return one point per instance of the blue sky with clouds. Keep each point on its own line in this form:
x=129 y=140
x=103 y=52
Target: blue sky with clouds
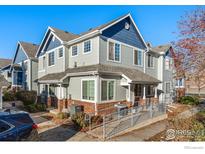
x=29 y=23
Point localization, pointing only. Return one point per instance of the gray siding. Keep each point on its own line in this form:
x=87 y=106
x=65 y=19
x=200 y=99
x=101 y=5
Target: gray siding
x=34 y=74
x=58 y=67
x=153 y=71
x=126 y=56
x=85 y=59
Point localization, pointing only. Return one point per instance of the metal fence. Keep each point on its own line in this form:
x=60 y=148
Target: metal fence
x=117 y=122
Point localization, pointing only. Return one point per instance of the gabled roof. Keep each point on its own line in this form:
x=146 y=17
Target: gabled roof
x=101 y=28
x=3 y=81
x=133 y=74
x=29 y=48
x=4 y=62
x=161 y=48
x=64 y=35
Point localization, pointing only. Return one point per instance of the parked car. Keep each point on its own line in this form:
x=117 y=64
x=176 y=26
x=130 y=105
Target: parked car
x=16 y=126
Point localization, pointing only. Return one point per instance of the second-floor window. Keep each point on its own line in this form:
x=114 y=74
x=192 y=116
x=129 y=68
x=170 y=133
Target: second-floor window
x=114 y=52
x=51 y=59
x=74 y=50
x=150 y=61
x=87 y=46
x=137 y=57
x=168 y=63
x=60 y=52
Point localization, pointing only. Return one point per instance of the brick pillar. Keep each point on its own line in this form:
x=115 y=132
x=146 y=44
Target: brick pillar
x=142 y=101
x=155 y=100
x=60 y=105
x=49 y=99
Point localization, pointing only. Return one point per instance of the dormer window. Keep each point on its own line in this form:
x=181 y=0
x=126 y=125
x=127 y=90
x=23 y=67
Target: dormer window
x=60 y=52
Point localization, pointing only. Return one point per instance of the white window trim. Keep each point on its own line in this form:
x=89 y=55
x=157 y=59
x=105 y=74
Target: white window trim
x=95 y=93
x=134 y=57
x=58 y=52
x=178 y=86
x=77 y=50
x=166 y=86
x=165 y=64
x=148 y=60
x=54 y=59
x=114 y=94
x=114 y=41
x=90 y=47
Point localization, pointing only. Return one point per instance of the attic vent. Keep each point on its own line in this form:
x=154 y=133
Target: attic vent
x=75 y=64
x=127 y=26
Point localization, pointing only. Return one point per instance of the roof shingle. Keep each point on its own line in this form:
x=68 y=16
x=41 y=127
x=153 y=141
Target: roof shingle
x=133 y=74
x=4 y=62
x=29 y=48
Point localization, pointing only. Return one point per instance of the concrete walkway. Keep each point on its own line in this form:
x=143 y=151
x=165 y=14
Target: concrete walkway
x=143 y=133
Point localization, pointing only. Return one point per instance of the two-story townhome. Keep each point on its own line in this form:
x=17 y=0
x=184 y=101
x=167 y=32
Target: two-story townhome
x=160 y=64
x=24 y=68
x=5 y=65
x=98 y=69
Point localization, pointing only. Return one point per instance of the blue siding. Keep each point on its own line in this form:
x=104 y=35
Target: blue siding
x=17 y=78
x=51 y=44
x=119 y=33
x=20 y=56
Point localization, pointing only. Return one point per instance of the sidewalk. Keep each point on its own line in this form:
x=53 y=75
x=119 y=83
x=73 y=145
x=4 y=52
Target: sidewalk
x=143 y=133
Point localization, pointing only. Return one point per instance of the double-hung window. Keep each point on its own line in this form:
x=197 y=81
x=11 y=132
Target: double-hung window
x=74 y=50
x=114 y=52
x=167 y=86
x=87 y=46
x=138 y=57
x=60 y=52
x=150 y=61
x=88 y=90
x=168 y=63
x=51 y=59
x=107 y=90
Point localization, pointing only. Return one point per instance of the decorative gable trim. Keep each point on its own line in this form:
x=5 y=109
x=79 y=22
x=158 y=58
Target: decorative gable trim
x=17 y=49
x=46 y=37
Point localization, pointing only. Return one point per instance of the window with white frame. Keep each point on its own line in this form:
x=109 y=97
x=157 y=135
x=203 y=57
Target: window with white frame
x=107 y=90
x=88 y=90
x=74 y=50
x=180 y=82
x=60 y=52
x=167 y=87
x=114 y=51
x=51 y=58
x=150 y=61
x=137 y=57
x=168 y=63
x=87 y=46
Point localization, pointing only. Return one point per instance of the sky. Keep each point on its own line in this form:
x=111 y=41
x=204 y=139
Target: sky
x=157 y=24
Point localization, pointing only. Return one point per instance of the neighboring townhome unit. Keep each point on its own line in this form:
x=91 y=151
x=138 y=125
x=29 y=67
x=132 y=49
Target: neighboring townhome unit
x=5 y=65
x=24 y=67
x=160 y=64
x=98 y=69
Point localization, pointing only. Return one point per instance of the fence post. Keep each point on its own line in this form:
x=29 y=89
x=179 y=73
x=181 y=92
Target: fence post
x=132 y=120
x=104 y=127
x=151 y=110
x=90 y=123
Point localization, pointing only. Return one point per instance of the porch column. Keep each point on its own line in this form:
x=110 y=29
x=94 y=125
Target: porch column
x=155 y=92
x=129 y=92
x=144 y=92
x=48 y=90
x=60 y=92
